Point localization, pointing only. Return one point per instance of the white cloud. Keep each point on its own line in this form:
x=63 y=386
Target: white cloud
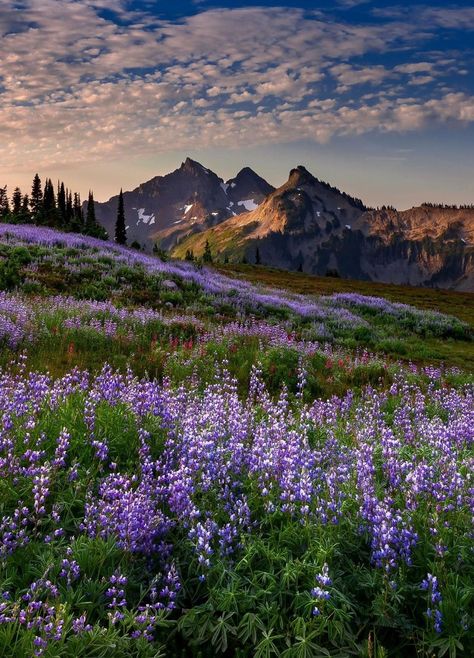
x=75 y=86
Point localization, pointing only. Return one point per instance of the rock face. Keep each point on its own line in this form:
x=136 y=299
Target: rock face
x=186 y=201
x=308 y=225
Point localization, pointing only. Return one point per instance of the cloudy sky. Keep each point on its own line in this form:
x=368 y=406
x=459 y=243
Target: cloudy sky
x=375 y=97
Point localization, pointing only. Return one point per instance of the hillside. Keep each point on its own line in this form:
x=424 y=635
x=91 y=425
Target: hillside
x=191 y=458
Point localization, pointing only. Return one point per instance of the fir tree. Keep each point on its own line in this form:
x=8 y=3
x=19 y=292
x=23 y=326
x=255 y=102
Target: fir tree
x=78 y=215
x=25 y=209
x=17 y=201
x=92 y=228
x=189 y=255
x=120 y=227
x=4 y=204
x=207 y=255
x=91 y=222
x=69 y=208
x=62 y=205
x=36 y=199
x=258 y=260
x=49 y=212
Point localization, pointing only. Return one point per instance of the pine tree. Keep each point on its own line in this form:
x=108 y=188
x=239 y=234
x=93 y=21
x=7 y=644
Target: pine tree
x=16 y=202
x=207 y=255
x=4 y=204
x=92 y=228
x=258 y=260
x=62 y=204
x=36 y=199
x=78 y=215
x=25 y=209
x=49 y=212
x=90 y=215
x=69 y=208
x=120 y=227
x=189 y=255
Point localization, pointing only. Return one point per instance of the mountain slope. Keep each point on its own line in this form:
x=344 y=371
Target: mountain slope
x=307 y=224
x=189 y=199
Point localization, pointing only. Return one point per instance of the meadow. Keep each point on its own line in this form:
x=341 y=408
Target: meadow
x=197 y=464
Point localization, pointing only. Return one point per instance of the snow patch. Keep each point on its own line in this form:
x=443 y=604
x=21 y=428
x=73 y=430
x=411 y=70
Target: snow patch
x=215 y=214
x=224 y=187
x=248 y=204
x=233 y=184
x=146 y=219
x=348 y=226
x=188 y=208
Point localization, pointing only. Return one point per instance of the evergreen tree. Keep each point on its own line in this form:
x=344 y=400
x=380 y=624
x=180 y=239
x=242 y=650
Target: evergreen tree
x=4 y=204
x=91 y=221
x=69 y=208
x=62 y=204
x=78 y=215
x=207 y=255
x=92 y=228
x=189 y=255
x=257 y=257
x=17 y=201
x=49 y=214
x=36 y=199
x=25 y=209
x=120 y=227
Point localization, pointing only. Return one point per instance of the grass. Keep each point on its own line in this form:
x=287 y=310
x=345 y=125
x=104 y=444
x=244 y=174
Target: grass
x=457 y=353
x=257 y=465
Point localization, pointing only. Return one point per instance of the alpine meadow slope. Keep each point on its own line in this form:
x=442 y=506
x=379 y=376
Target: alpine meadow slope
x=198 y=465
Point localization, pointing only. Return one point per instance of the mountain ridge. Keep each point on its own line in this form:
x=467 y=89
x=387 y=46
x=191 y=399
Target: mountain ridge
x=187 y=200
x=305 y=224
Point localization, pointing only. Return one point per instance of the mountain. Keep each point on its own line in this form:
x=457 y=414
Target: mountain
x=308 y=225
x=186 y=201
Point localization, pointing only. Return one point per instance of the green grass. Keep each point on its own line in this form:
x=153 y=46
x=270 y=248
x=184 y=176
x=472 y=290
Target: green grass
x=459 y=353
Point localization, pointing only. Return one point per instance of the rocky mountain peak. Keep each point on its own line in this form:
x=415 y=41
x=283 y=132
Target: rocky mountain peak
x=300 y=176
x=193 y=167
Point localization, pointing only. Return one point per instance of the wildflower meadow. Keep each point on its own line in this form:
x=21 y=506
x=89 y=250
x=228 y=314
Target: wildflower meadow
x=195 y=465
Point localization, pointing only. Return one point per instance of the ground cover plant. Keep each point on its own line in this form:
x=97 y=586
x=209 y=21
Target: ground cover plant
x=197 y=466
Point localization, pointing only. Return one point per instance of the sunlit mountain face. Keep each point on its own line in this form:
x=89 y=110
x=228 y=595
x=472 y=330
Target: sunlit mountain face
x=374 y=96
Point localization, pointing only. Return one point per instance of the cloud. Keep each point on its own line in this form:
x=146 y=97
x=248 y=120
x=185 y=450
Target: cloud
x=76 y=85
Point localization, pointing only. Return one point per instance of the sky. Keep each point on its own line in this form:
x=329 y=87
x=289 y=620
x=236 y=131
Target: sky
x=374 y=97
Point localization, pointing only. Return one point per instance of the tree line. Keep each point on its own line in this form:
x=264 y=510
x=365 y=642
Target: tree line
x=448 y=206
x=58 y=208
